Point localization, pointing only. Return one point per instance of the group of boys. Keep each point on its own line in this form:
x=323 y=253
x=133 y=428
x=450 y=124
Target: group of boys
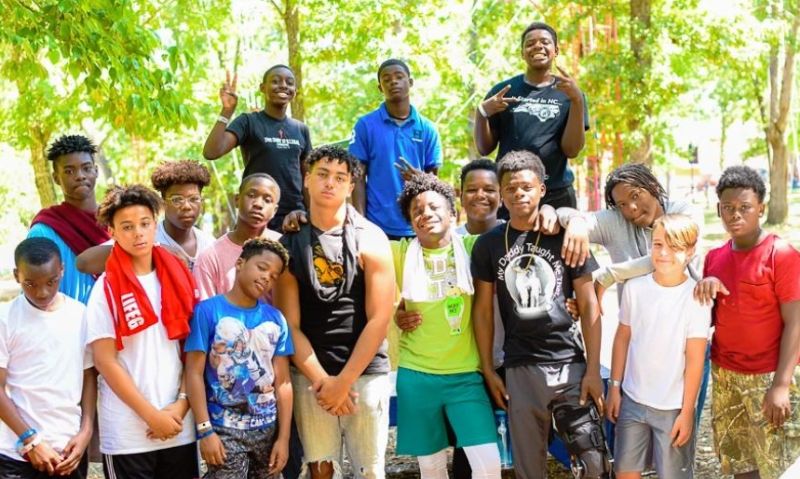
x=179 y=341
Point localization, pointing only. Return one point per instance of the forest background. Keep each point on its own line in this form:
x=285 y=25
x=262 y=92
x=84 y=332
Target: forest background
x=141 y=78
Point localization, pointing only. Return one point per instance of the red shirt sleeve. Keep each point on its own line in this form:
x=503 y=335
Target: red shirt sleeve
x=787 y=270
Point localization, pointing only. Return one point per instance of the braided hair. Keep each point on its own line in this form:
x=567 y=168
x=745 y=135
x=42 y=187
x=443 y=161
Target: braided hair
x=635 y=175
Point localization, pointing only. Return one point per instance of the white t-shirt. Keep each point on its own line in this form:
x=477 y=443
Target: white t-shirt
x=499 y=330
x=44 y=356
x=204 y=240
x=661 y=320
x=153 y=362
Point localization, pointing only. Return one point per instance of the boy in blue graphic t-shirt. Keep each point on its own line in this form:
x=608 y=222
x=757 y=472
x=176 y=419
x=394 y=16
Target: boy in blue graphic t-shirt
x=237 y=371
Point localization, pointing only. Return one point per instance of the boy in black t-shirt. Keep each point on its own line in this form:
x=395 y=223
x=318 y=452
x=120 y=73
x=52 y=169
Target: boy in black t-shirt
x=539 y=112
x=547 y=374
x=271 y=142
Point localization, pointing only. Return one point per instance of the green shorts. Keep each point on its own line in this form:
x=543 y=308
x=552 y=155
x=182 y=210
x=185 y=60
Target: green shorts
x=426 y=403
x=744 y=440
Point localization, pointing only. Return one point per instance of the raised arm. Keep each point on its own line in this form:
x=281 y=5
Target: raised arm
x=573 y=138
x=220 y=141
x=485 y=137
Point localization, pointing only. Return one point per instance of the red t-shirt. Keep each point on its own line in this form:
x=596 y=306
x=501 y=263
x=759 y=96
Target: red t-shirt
x=748 y=321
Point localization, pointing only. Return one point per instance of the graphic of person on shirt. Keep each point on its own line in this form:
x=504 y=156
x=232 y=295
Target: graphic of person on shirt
x=235 y=359
x=531 y=283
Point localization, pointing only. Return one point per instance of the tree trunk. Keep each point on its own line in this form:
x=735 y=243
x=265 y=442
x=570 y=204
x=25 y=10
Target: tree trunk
x=780 y=102
x=639 y=34
x=41 y=170
x=291 y=20
x=724 y=119
x=472 y=150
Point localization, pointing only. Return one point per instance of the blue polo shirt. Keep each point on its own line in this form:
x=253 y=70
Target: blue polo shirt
x=378 y=141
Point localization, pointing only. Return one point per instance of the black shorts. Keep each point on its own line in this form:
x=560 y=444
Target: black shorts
x=178 y=462
x=13 y=469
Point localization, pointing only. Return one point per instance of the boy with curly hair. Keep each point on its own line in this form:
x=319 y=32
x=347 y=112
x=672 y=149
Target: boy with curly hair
x=237 y=371
x=137 y=315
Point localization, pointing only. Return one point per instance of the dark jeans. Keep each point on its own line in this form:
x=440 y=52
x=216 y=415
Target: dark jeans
x=13 y=469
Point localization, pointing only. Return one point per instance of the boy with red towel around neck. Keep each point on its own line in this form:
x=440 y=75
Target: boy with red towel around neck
x=137 y=316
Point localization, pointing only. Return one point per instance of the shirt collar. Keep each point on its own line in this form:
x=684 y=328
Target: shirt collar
x=412 y=115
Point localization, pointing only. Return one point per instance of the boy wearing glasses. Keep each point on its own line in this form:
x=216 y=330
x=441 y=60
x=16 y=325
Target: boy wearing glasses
x=181 y=186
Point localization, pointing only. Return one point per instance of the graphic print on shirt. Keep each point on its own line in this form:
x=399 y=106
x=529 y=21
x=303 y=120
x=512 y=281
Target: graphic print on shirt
x=329 y=273
x=244 y=383
x=281 y=142
x=530 y=280
x=542 y=108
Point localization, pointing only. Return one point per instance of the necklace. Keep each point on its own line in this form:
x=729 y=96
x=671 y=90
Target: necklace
x=535 y=244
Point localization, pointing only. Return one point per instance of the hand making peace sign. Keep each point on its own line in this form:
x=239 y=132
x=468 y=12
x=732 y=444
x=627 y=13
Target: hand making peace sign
x=568 y=86
x=498 y=102
x=228 y=92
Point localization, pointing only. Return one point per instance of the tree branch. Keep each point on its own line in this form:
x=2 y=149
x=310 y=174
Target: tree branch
x=278 y=8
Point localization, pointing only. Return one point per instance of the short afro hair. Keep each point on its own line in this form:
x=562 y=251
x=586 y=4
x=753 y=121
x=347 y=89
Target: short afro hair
x=275 y=67
x=69 y=144
x=741 y=176
x=519 y=160
x=479 y=164
x=182 y=172
x=539 y=26
x=257 y=246
x=392 y=62
x=337 y=153
x=252 y=176
x=420 y=184
x=36 y=251
x=635 y=175
x=120 y=197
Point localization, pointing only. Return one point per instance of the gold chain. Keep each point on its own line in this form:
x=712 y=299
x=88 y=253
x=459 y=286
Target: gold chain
x=535 y=245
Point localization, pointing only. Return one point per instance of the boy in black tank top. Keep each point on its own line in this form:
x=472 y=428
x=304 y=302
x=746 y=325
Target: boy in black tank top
x=338 y=297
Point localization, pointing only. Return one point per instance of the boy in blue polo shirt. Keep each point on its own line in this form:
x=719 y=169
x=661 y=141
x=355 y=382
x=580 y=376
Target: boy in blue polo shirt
x=391 y=142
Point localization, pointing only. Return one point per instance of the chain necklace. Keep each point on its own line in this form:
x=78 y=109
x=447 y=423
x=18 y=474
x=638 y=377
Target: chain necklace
x=535 y=244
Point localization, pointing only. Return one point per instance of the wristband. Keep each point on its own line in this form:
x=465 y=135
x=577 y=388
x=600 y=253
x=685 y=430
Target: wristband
x=223 y=119
x=183 y=396
x=26 y=448
x=204 y=426
x=614 y=383
x=204 y=434
x=25 y=435
x=482 y=111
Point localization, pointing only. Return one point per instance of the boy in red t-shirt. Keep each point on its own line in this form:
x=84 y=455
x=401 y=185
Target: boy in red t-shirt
x=756 y=345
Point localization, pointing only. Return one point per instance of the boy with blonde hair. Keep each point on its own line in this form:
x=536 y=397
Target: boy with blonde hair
x=657 y=361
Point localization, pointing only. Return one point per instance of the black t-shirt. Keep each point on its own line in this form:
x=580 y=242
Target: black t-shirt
x=333 y=326
x=536 y=124
x=275 y=147
x=532 y=284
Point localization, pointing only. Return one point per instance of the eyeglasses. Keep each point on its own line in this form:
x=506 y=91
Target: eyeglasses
x=178 y=201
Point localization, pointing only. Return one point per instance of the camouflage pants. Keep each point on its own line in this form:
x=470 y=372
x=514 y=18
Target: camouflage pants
x=743 y=439
x=247 y=454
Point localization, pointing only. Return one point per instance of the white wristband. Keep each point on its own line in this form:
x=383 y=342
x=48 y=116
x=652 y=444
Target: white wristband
x=37 y=439
x=482 y=111
x=204 y=426
x=223 y=119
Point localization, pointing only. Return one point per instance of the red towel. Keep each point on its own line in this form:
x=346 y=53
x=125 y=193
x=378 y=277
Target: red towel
x=128 y=301
x=78 y=228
